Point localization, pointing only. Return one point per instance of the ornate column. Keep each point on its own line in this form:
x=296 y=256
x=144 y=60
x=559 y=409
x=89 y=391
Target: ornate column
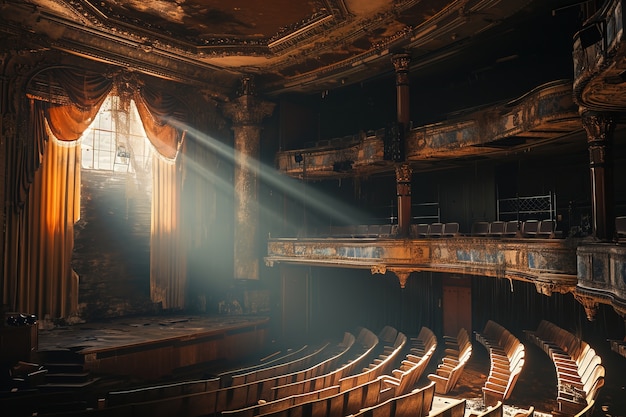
x=600 y=128
x=247 y=111
x=403 y=190
x=401 y=65
x=403 y=172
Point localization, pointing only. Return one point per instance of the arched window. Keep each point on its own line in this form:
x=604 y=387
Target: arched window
x=116 y=140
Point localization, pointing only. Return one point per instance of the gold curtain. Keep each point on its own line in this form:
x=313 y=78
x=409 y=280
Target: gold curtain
x=40 y=278
x=45 y=192
x=167 y=251
x=168 y=255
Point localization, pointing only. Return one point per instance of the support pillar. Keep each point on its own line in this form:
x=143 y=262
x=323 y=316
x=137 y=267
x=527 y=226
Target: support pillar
x=403 y=190
x=600 y=128
x=403 y=171
x=247 y=112
x=401 y=65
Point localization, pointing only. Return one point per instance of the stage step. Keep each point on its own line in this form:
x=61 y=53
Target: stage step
x=63 y=368
x=67 y=385
x=60 y=356
x=67 y=378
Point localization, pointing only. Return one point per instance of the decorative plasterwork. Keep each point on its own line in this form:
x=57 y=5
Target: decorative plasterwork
x=302 y=48
x=601 y=274
x=550 y=263
x=600 y=61
x=545 y=113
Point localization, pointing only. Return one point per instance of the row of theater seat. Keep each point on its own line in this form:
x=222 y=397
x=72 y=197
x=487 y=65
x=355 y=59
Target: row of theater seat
x=527 y=228
x=512 y=228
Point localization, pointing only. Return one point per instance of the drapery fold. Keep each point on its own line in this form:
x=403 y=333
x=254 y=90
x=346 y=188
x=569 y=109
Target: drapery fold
x=167 y=250
x=39 y=260
x=87 y=92
x=155 y=109
x=46 y=194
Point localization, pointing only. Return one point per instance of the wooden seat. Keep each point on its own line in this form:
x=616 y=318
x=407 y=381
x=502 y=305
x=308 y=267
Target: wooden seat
x=506 y=355
x=530 y=228
x=511 y=229
x=579 y=370
x=421 y=230
x=546 y=228
x=451 y=366
x=403 y=379
x=450 y=229
x=496 y=228
x=416 y=403
x=435 y=230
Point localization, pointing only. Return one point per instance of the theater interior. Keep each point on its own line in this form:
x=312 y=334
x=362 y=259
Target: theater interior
x=320 y=208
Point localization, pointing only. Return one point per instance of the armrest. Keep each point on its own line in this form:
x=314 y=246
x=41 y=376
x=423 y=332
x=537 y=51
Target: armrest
x=414 y=358
x=450 y=361
x=390 y=380
x=452 y=352
x=438 y=379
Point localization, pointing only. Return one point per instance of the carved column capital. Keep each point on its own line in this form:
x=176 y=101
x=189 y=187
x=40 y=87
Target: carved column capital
x=401 y=62
x=404 y=172
x=598 y=126
x=248 y=109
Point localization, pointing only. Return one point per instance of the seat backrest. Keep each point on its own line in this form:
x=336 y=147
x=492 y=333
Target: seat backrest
x=450 y=229
x=546 y=228
x=530 y=228
x=429 y=395
x=511 y=228
x=496 y=228
x=408 y=404
x=421 y=230
x=435 y=230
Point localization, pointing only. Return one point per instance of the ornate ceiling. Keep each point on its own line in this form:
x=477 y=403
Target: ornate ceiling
x=289 y=46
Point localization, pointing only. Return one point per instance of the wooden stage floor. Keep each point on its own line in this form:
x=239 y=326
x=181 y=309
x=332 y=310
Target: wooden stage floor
x=155 y=346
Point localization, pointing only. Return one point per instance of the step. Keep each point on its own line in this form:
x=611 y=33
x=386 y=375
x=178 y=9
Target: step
x=60 y=356
x=70 y=377
x=67 y=385
x=59 y=367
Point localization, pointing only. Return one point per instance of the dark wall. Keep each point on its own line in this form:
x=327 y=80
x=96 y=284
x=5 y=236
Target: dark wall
x=333 y=300
x=112 y=246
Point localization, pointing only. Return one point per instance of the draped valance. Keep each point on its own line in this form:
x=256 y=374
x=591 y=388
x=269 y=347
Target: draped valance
x=86 y=93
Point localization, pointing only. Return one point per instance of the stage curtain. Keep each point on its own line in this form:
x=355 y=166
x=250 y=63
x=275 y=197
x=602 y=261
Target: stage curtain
x=43 y=280
x=46 y=192
x=51 y=287
x=167 y=250
x=39 y=276
x=155 y=110
x=168 y=258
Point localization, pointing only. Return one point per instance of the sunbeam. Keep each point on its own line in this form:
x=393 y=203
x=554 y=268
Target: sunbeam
x=337 y=211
